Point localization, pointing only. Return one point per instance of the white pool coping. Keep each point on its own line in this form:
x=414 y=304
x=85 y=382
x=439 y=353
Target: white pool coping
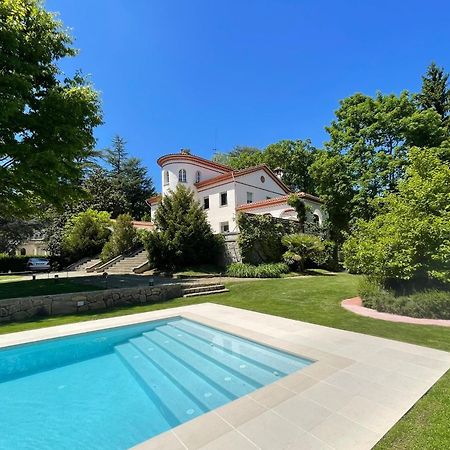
x=357 y=389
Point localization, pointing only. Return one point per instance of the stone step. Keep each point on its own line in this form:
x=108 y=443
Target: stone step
x=203 y=288
x=197 y=294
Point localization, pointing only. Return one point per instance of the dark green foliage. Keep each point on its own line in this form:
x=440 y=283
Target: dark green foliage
x=431 y=303
x=242 y=270
x=14 y=232
x=123 y=239
x=184 y=237
x=301 y=248
x=435 y=93
x=46 y=120
x=14 y=263
x=409 y=239
x=300 y=208
x=260 y=237
x=86 y=233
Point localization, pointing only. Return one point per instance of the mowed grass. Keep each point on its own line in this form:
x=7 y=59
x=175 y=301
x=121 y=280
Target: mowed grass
x=317 y=300
x=25 y=288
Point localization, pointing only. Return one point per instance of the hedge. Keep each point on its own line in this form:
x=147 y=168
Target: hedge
x=14 y=263
x=242 y=270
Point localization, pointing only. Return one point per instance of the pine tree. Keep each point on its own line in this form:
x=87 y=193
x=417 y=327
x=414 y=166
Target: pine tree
x=183 y=237
x=435 y=93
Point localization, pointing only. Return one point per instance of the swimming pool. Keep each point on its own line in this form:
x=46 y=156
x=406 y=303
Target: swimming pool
x=117 y=387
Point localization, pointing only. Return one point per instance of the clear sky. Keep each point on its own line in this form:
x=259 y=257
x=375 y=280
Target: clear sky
x=207 y=74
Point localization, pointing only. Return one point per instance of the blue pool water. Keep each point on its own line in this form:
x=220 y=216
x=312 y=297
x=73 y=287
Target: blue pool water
x=115 y=388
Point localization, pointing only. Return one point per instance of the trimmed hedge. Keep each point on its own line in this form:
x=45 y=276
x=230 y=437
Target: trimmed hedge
x=15 y=263
x=429 y=304
x=242 y=270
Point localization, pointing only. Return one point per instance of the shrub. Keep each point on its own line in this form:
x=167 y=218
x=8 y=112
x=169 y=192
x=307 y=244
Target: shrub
x=410 y=237
x=431 y=303
x=301 y=248
x=86 y=233
x=123 y=238
x=15 y=263
x=242 y=270
x=260 y=237
x=183 y=237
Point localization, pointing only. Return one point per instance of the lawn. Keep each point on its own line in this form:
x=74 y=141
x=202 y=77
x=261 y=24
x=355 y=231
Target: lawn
x=317 y=300
x=26 y=288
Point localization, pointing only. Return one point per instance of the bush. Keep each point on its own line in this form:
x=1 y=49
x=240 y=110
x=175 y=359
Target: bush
x=123 y=239
x=409 y=239
x=302 y=248
x=431 y=303
x=183 y=237
x=15 y=263
x=86 y=233
x=242 y=270
x=260 y=237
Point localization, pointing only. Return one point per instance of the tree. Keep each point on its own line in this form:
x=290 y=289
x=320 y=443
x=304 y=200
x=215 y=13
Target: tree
x=409 y=239
x=368 y=152
x=240 y=157
x=14 y=232
x=129 y=184
x=435 y=93
x=123 y=239
x=301 y=248
x=183 y=237
x=86 y=233
x=300 y=208
x=46 y=121
x=295 y=158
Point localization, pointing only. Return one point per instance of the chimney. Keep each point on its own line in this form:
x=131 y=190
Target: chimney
x=279 y=172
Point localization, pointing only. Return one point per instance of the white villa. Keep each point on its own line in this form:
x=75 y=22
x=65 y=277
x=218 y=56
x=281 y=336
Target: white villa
x=223 y=191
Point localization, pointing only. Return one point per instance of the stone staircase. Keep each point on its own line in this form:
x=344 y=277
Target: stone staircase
x=85 y=265
x=195 y=291
x=128 y=263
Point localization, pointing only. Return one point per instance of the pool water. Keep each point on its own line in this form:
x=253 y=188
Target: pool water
x=114 y=388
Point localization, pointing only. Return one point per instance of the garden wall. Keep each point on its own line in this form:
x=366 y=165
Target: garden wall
x=25 y=308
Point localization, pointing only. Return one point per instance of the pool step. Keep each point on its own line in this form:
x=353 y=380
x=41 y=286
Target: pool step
x=204 y=290
x=196 y=387
x=173 y=403
x=247 y=371
x=216 y=374
x=254 y=353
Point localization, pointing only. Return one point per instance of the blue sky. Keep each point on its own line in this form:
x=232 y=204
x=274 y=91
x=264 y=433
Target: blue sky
x=207 y=74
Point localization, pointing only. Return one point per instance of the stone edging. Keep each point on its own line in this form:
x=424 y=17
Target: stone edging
x=355 y=305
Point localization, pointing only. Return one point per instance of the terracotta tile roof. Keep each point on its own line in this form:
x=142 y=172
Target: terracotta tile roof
x=276 y=201
x=153 y=200
x=192 y=158
x=227 y=177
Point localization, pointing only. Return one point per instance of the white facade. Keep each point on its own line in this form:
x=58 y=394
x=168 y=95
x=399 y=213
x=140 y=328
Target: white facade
x=223 y=191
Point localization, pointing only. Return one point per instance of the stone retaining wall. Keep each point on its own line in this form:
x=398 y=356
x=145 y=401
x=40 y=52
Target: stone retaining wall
x=25 y=308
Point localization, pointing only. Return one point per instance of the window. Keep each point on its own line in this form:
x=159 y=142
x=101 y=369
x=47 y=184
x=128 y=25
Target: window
x=166 y=177
x=249 y=197
x=223 y=199
x=197 y=176
x=263 y=179
x=205 y=202
x=182 y=176
x=268 y=197
x=23 y=252
x=316 y=218
x=224 y=227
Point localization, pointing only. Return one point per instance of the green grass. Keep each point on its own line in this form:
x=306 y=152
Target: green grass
x=27 y=288
x=317 y=300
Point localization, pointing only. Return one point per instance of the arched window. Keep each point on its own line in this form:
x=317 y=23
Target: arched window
x=23 y=251
x=182 y=176
x=166 y=177
x=197 y=176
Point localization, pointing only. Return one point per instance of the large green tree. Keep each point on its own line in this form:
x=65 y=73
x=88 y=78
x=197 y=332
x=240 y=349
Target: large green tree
x=435 y=93
x=240 y=157
x=409 y=238
x=130 y=185
x=367 y=153
x=46 y=118
x=183 y=237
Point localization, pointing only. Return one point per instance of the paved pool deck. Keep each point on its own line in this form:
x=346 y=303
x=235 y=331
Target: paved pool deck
x=357 y=389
